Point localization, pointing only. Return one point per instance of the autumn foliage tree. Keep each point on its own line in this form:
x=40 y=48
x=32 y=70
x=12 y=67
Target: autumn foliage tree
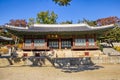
x=18 y=22
x=111 y=35
x=107 y=21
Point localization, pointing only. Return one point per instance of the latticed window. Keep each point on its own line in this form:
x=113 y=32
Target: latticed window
x=28 y=42
x=39 y=42
x=66 y=43
x=53 y=44
x=91 y=42
x=80 y=42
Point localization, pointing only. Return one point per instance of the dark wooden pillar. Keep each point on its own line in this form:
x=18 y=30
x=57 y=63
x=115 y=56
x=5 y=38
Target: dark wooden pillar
x=59 y=43
x=23 y=42
x=87 y=42
x=73 y=41
x=95 y=40
x=32 y=40
x=46 y=41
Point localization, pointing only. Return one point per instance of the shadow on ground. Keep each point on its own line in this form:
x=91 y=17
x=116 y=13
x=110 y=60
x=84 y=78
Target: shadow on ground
x=71 y=69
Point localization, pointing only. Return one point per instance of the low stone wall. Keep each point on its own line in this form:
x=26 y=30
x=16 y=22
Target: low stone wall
x=20 y=53
x=106 y=60
x=67 y=53
x=91 y=53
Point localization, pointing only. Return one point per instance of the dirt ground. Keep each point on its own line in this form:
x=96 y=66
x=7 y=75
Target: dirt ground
x=105 y=72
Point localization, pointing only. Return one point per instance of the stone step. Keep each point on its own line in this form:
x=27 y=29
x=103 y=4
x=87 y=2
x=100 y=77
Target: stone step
x=4 y=62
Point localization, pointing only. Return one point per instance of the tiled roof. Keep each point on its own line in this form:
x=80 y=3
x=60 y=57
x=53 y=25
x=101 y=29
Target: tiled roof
x=60 y=28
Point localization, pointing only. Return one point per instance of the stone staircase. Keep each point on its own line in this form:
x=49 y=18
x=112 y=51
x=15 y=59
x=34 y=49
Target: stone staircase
x=110 y=51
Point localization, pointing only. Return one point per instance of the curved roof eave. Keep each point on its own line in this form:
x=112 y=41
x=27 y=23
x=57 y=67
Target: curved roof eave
x=46 y=28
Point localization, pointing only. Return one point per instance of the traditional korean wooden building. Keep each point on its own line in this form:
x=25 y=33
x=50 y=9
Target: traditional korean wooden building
x=43 y=37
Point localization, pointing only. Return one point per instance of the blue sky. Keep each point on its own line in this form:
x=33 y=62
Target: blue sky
x=79 y=9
